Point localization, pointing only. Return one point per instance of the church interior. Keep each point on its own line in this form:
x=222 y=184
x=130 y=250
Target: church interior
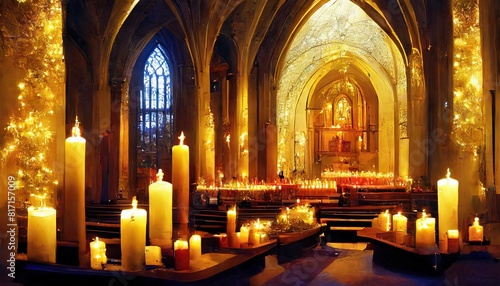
x=175 y=141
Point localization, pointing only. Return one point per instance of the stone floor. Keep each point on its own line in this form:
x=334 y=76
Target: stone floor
x=353 y=266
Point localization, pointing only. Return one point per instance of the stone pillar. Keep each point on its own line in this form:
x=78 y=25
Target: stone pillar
x=113 y=174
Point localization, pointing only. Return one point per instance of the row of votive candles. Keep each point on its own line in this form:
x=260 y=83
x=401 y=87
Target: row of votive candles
x=246 y=237
x=183 y=253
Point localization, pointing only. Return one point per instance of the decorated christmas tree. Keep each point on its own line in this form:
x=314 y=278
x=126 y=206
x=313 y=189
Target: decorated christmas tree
x=35 y=45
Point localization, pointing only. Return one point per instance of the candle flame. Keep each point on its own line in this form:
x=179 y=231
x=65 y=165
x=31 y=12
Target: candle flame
x=181 y=138
x=424 y=214
x=448 y=173
x=75 y=131
x=134 y=203
x=159 y=176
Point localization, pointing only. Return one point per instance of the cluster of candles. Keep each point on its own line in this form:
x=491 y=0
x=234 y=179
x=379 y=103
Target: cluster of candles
x=251 y=234
x=300 y=212
x=183 y=253
x=425 y=235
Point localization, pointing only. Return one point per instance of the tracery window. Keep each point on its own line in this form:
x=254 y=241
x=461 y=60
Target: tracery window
x=155 y=113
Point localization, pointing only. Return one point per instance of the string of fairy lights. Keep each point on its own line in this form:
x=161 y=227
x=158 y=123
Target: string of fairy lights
x=29 y=140
x=468 y=121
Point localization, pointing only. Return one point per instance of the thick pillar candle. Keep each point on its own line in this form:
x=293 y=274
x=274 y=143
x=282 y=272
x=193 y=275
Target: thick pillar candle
x=244 y=235
x=180 y=179
x=133 y=237
x=399 y=222
x=425 y=237
x=399 y=225
x=476 y=231
x=74 y=190
x=153 y=255
x=160 y=212
x=194 y=247
x=384 y=221
x=447 y=208
x=97 y=254
x=42 y=231
x=453 y=246
x=235 y=240
x=181 y=255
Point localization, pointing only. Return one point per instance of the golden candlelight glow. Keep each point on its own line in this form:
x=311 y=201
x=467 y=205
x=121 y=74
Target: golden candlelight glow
x=467 y=77
x=29 y=136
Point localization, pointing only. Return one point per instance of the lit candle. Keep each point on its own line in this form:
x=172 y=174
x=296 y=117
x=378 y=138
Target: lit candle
x=399 y=222
x=476 y=231
x=384 y=221
x=74 y=189
x=153 y=255
x=231 y=220
x=425 y=238
x=244 y=235
x=42 y=231
x=447 y=208
x=195 y=247
x=453 y=241
x=160 y=212
x=231 y=225
x=180 y=179
x=133 y=237
x=181 y=255
x=399 y=225
x=97 y=254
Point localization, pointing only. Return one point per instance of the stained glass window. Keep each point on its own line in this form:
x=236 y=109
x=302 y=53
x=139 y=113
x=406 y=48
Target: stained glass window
x=155 y=113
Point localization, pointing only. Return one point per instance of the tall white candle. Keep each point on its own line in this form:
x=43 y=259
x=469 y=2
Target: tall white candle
x=160 y=212
x=231 y=224
x=180 y=179
x=447 y=208
x=42 y=241
x=231 y=220
x=194 y=247
x=425 y=237
x=74 y=190
x=133 y=237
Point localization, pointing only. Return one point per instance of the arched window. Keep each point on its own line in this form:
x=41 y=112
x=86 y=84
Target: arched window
x=155 y=113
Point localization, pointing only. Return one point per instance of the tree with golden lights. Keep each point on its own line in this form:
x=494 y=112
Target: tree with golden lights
x=35 y=46
x=468 y=121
